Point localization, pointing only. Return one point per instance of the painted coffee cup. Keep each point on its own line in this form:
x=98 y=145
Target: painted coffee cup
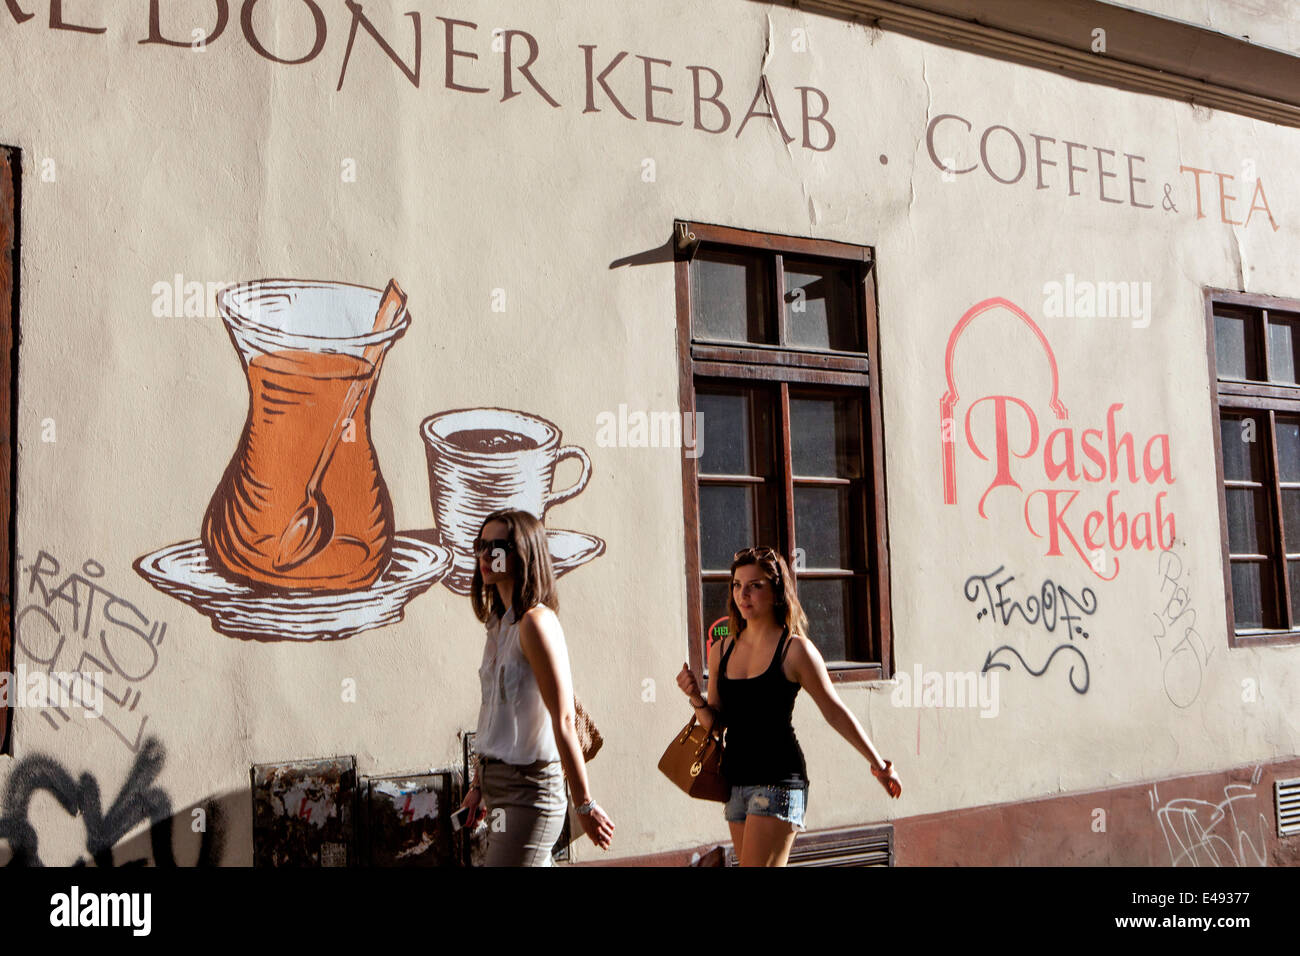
x=483 y=460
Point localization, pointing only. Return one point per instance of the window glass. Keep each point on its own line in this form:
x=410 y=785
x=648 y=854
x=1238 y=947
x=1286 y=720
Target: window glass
x=827 y=605
x=1250 y=589
x=1235 y=344
x=1241 y=438
x=730 y=296
x=1282 y=343
x=822 y=527
x=825 y=437
x=821 y=305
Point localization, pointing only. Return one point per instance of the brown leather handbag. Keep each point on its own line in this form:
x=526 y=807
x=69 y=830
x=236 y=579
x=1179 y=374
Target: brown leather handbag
x=693 y=761
x=589 y=738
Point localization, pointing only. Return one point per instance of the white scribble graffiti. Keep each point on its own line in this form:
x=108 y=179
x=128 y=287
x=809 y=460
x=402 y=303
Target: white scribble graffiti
x=1195 y=833
x=1186 y=661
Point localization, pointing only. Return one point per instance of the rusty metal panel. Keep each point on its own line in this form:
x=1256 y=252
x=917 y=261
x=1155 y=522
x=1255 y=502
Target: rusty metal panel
x=303 y=812
x=407 y=820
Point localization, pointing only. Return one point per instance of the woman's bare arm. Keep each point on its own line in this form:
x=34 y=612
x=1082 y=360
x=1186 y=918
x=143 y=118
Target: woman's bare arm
x=810 y=670
x=540 y=638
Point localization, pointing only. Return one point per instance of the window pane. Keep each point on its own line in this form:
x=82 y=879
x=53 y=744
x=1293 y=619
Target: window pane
x=735 y=432
x=1253 y=603
x=1282 y=342
x=726 y=524
x=1291 y=517
x=1293 y=572
x=821 y=306
x=1235 y=344
x=827 y=605
x=1248 y=531
x=1241 y=437
x=730 y=297
x=822 y=527
x=826 y=437
x=1288 y=448
x=727 y=514
x=714 y=605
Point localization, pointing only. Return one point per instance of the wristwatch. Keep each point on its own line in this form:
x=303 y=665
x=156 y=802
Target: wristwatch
x=587 y=807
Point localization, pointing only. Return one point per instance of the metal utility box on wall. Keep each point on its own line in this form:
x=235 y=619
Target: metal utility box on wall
x=303 y=812
x=406 y=820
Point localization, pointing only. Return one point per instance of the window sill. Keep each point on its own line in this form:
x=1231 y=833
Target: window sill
x=1265 y=638
x=865 y=674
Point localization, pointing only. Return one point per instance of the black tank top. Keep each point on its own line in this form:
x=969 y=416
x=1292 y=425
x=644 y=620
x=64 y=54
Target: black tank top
x=761 y=749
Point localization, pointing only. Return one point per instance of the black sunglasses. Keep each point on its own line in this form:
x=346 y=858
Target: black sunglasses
x=485 y=547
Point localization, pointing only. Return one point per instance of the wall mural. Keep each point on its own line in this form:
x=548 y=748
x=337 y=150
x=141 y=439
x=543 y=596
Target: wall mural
x=299 y=540
x=485 y=459
x=1104 y=456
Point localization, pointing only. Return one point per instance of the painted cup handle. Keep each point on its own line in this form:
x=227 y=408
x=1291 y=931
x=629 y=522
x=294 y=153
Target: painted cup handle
x=570 y=451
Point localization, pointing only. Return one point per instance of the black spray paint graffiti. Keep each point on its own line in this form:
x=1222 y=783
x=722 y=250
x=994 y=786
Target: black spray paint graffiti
x=1185 y=664
x=77 y=624
x=1053 y=606
x=138 y=801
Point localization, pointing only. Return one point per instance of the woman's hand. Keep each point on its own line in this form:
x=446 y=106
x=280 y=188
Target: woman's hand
x=474 y=803
x=888 y=778
x=598 y=826
x=687 y=682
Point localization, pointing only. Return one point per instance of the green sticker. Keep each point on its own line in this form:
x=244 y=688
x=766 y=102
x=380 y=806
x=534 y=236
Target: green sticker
x=718 y=629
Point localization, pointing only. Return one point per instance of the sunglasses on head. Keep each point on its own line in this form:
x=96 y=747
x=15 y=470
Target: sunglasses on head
x=754 y=552
x=496 y=544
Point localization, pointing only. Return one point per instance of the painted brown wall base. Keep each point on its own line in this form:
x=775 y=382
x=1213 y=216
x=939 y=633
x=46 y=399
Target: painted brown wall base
x=1210 y=819
x=1200 y=820
x=709 y=854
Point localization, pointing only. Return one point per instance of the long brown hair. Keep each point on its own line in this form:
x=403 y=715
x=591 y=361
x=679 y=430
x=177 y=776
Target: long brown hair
x=533 y=573
x=786 y=607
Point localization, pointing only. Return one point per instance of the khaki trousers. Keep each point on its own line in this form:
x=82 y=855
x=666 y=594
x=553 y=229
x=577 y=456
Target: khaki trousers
x=533 y=806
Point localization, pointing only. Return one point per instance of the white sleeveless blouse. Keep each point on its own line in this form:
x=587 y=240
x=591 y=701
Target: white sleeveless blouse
x=513 y=722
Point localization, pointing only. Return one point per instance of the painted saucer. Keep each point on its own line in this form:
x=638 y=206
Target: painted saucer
x=569 y=550
x=183 y=571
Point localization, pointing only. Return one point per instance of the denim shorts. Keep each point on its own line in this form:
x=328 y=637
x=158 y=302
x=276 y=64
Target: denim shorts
x=784 y=803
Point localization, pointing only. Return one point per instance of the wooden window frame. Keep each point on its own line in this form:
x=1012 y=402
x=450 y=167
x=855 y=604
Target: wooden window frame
x=10 y=244
x=799 y=367
x=1265 y=399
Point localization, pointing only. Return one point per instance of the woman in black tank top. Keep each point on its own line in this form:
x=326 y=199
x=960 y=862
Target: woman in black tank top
x=759 y=669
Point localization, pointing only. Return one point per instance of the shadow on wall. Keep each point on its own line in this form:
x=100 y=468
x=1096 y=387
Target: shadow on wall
x=299 y=814
x=39 y=788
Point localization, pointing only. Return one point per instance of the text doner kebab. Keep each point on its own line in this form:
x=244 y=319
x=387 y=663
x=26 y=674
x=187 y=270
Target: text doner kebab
x=645 y=87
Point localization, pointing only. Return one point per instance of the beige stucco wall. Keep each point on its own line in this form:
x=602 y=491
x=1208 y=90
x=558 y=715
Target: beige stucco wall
x=223 y=166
